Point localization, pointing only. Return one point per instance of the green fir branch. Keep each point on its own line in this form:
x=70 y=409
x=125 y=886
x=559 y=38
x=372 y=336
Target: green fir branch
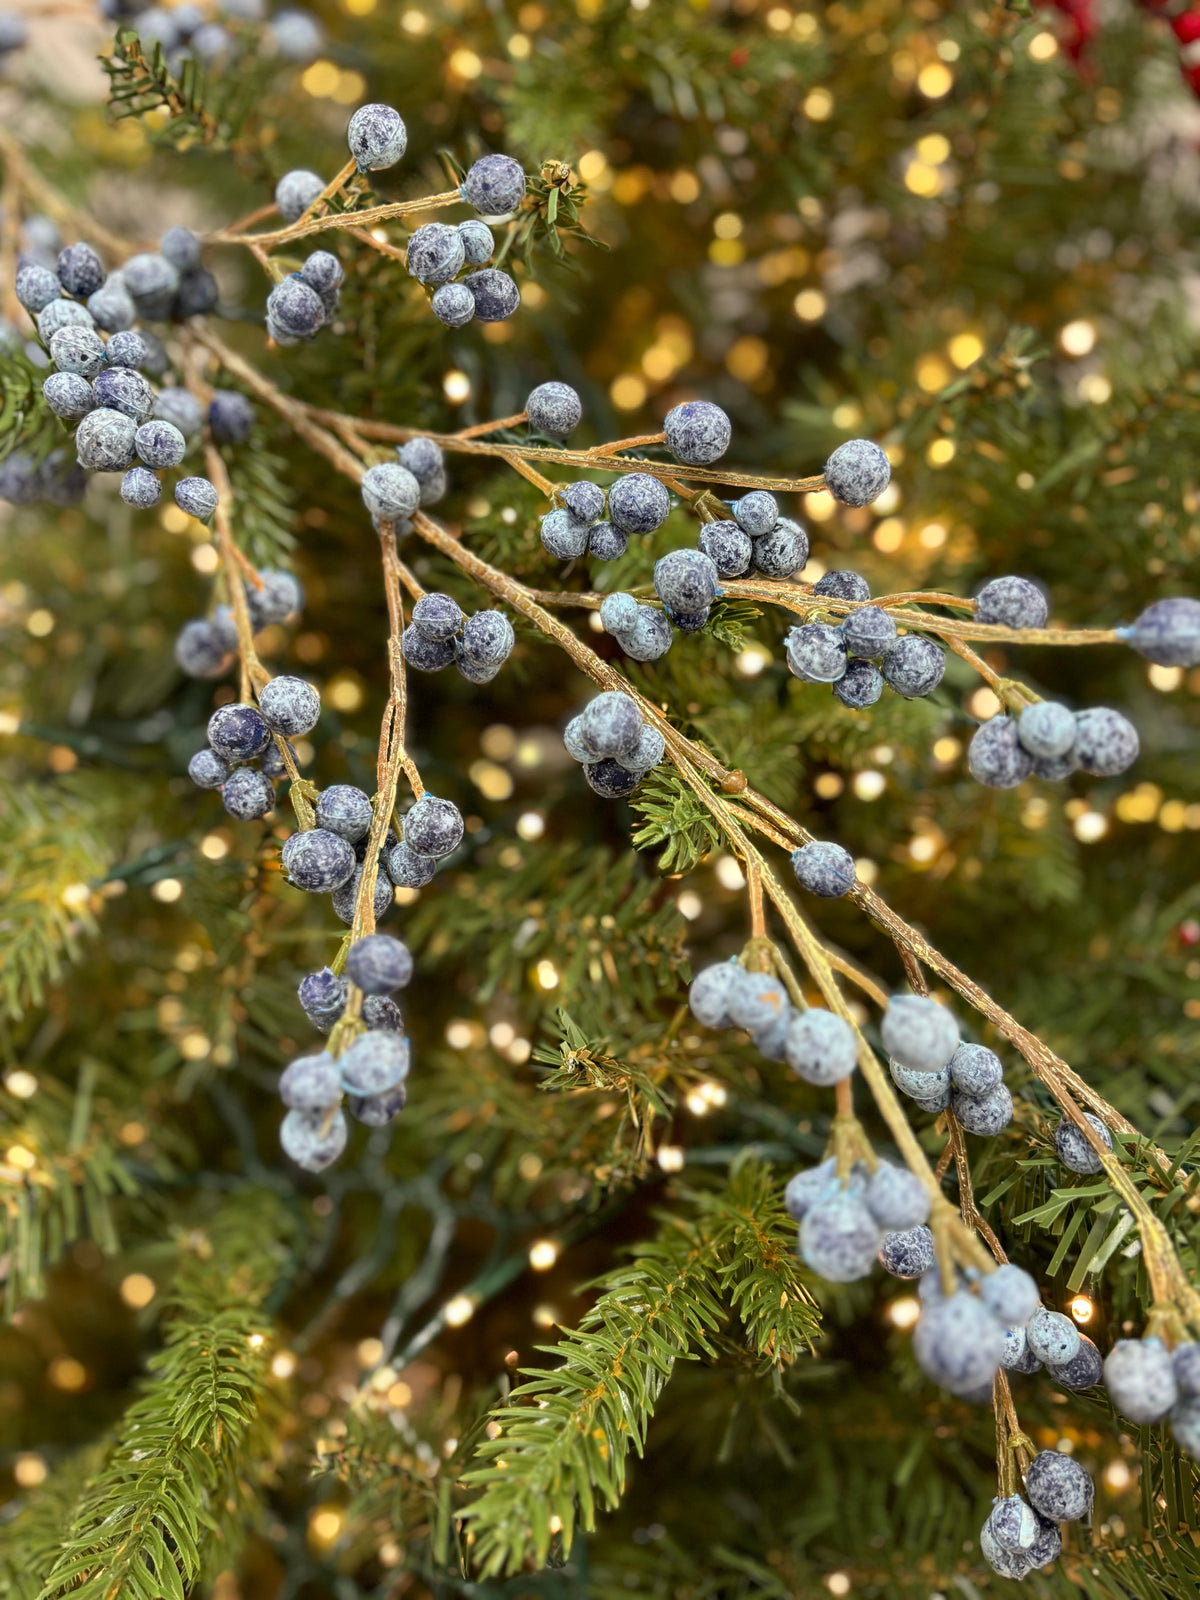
x=673 y=817
x=26 y=421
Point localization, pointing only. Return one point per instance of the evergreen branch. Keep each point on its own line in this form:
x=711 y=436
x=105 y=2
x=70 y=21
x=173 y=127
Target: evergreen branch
x=26 y=421
x=31 y=1541
x=673 y=817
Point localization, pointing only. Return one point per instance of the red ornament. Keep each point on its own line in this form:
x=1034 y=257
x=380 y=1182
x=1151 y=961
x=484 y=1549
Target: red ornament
x=1189 y=932
x=739 y=58
x=1186 y=27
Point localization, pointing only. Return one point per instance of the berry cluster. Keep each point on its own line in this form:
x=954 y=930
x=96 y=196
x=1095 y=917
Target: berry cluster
x=614 y=745
x=932 y=1066
x=1052 y=742
x=300 y=305
x=207 y=646
x=865 y=652
x=240 y=734
x=755 y=539
x=440 y=634
x=818 y=1046
x=210 y=33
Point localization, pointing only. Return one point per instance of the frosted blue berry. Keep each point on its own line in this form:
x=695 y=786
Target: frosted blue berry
x=651 y=749
x=606 y=543
x=295 y=309
x=1047 y=730
x=1075 y=1153
x=37 y=287
x=782 y=552
x=289 y=706
x=931 y=1090
x=311 y=1083
x=196 y=296
x=67 y=394
x=238 y=732
x=638 y=503
x=709 y=993
x=821 y=1047
x=230 y=416
x=453 y=305
x=295 y=192
x=485 y=644
x=248 y=794
x=345 y=898
x=1016 y=1356
x=495 y=294
x=1106 y=743
x=897 y=1198
x=1167 y=632
x=61 y=314
x=317 y=861
x=611 y=725
x=859 y=686
x=842 y=584
x=407 y=869
x=377 y=137
x=1052 y=1337
x=322 y=272
x=857 y=472
x=869 y=632
x=573 y=742
x=376 y=1062
x=180 y=407
x=618 y=613
x=958 y=1343
x=914 y=666
x=807 y=1187
x=377 y=1110
x=423 y=458
x=207 y=770
x=197 y=497
x=824 y=869
x=584 y=500
x=433 y=827
x=495 y=185
x=698 y=432
x=1048 y=1546
x=650 y=637
x=690 y=621
x=80 y=270
x=562 y=536
x=423 y=653
x=771 y=1039
x=610 y=779
x=686 y=581
x=42 y=237
x=435 y=253
x=1185 y=1426
x=996 y=756
x=313 y=1139
x=104 y=440
x=554 y=408
x=985 y=1114
x=1012 y=1564
x=907 y=1252
x=390 y=491
x=1058 y=1487
x=297 y=35
x=974 y=1069
x=1186 y=1361
x=437 y=616
x=1012 y=602
x=380 y=1013
x=755 y=999
x=78 y=350
x=1083 y=1371
x=122 y=389
x=346 y=811
x=839 y=1238
x=200 y=649
x=180 y=245
x=816 y=653
x=126 y=349
x=477 y=241
x=379 y=964
x=159 y=444
x=919 y=1033
x=1014 y=1524
x=153 y=282
x=728 y=548
x=755 y=513
x=112 y=307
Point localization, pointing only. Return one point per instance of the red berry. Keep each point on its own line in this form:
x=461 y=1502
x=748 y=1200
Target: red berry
x=1189 y=932
x=1186 y=28
x=739 y=58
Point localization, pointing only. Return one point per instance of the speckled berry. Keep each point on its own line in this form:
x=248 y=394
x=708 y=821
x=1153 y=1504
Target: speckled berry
x=958 y=1343
x=486 y=642
x=930 y=1089
x=1083 y=1371
x=1047 y=730
x=295 y=309
x=126 y=349
x=346 y=811
x=159 y=444
x=821 y=1047
x=377 y=1110
x=248 y=794
x=562 y=536
x=453 y=305
x=816 y=653
x=313 y=1139
x=495 y=294
x=272 y=763
x=638 y=503
x=238 y=732
x=1052 y=1337
x=67 y=394
x=477 y=241
x=651 y=749
x=112 y=307
x=104 y=441
x=1013 y=1523
x=1012 y=1564
x=650 y=637
x=755 y=999
x=782 y=552
x=200 y=651
x=573 y=742
x=605 y=542
x=37 y=287
x=1074 y=1151
x=153 y=282
x=897 y=1198
x=610 y=779
x=433 y=827
x=1058 y=1487
x=755 y=513
x=196 y=496
x=230 y=416
x=584 y=500
x=390 y=491
x=1012 y=602
x=1167 y=632
x=207 y=769
x=311 y=1083
x=62 y=314
x=80 y=270
x=824 y=869
x=907 y=1252
x=379 y=964
x=376 y=1062
x=618 y=613
x=279 y=597
x=122 y=389
x=554 y=408
x=976 y=1070
x=857 y=472
x=708 y=994
x=78 y=350
x=435 y=253
x=1185 y=1426
x=728 y=547
x=984 y=1114
x=318 y=861
x=610 y=725
x=289 y=706
x=407 y=869
x=686 y=581
x=424 y=459
x=1016 y=1356
x=322 y=995
x=1140 y=1379
x=1010 y=1293
x=1106 y=743
x=495 y=185
x=919 y=1033
x=181 y=247
x=180 y=407
x=423 y=653
x=197 y=295
x=295 y=192
x=380 y=1013
x=860 y=685
x=344 y=899
x=869 y=632
x=690 y=621
x=806 y=1188
x=1186 y=1360
x=437 y=616
x=914 y=666
x=698 y=432
x=996 y=757
x=839 y=1238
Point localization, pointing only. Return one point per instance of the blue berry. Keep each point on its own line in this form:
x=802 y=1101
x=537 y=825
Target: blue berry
x=495 y=185
x=112 y=307
x=423 y=653
x=407 y=869
x=122 y=389
x=839 y=1238
x=289 y=706
x=20 y=483
x=618 y=613
x=200 y=650
x=914 y=666
x=638 y=503
x=651 y=749
x=272 y=762
x=180 y=407
x=606 y=543
x=755 y=513
x=238 y=732
x=842 y=584
x=650 y=637
x=478 y=244
x=728 y=547
x=554 y=408
x=1051 y=1337
x=807 y=1187
x=690 y=621
x=104 y=440
x=698 y=432
x=485 y=644
x=435 y=253
x=346 y=811
x=196 y=296
x=390 y=491
x=153 y=282
x=1082 y=1371
x=859 y=686
x=159 y=444
x=1186 y=1360
x=379 y=964
x=1009 y=1293
x=495 y=294
x=311 y=1083
x=374 y=1063
x=923 y=1086
x=1073 y=1150
x=248 y=794
x=1013 y=1524
x=958 y=1344
x=1058 y=1487
x=317 y=861
x=782 y=552
x=295 y=192
x=230 y=416
x=345 y=897
x=755 y=999
x=709 y=993
x=1047 y=730
x=869 y=632
x=1012 y=1564
x=80 y=270
x=1167 y=632
x=975 y=1070
x=563 y=537
x=1012 y=602
x=322 y=995
x=907 y=1252
x=453 y=304
x=897 y=1198
x=985 y=1114
x=68 y=395
x=377 y=137
x=61 y=314
x=37 y=287
x=824 y=869
x=424 y=459
x=126 y=349
x=180 y=245
x=78 y=350
x=996 y=756
x=816 y=653
x=1016 y=1356
x=377 y=1110
x=197 y=497
x=919 y=1033
x=437 y=616
x=686 y=581
x=433 y=827
x=295 y=308
x=821 y=1047
x=611 y=725
x=322 y=272
x=584 y=501
x=279 y=596
x=857 y=472
x=610 y=779
x=1106 y=743
x=207 y=770
x=313 y=1139
x=297 y=35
